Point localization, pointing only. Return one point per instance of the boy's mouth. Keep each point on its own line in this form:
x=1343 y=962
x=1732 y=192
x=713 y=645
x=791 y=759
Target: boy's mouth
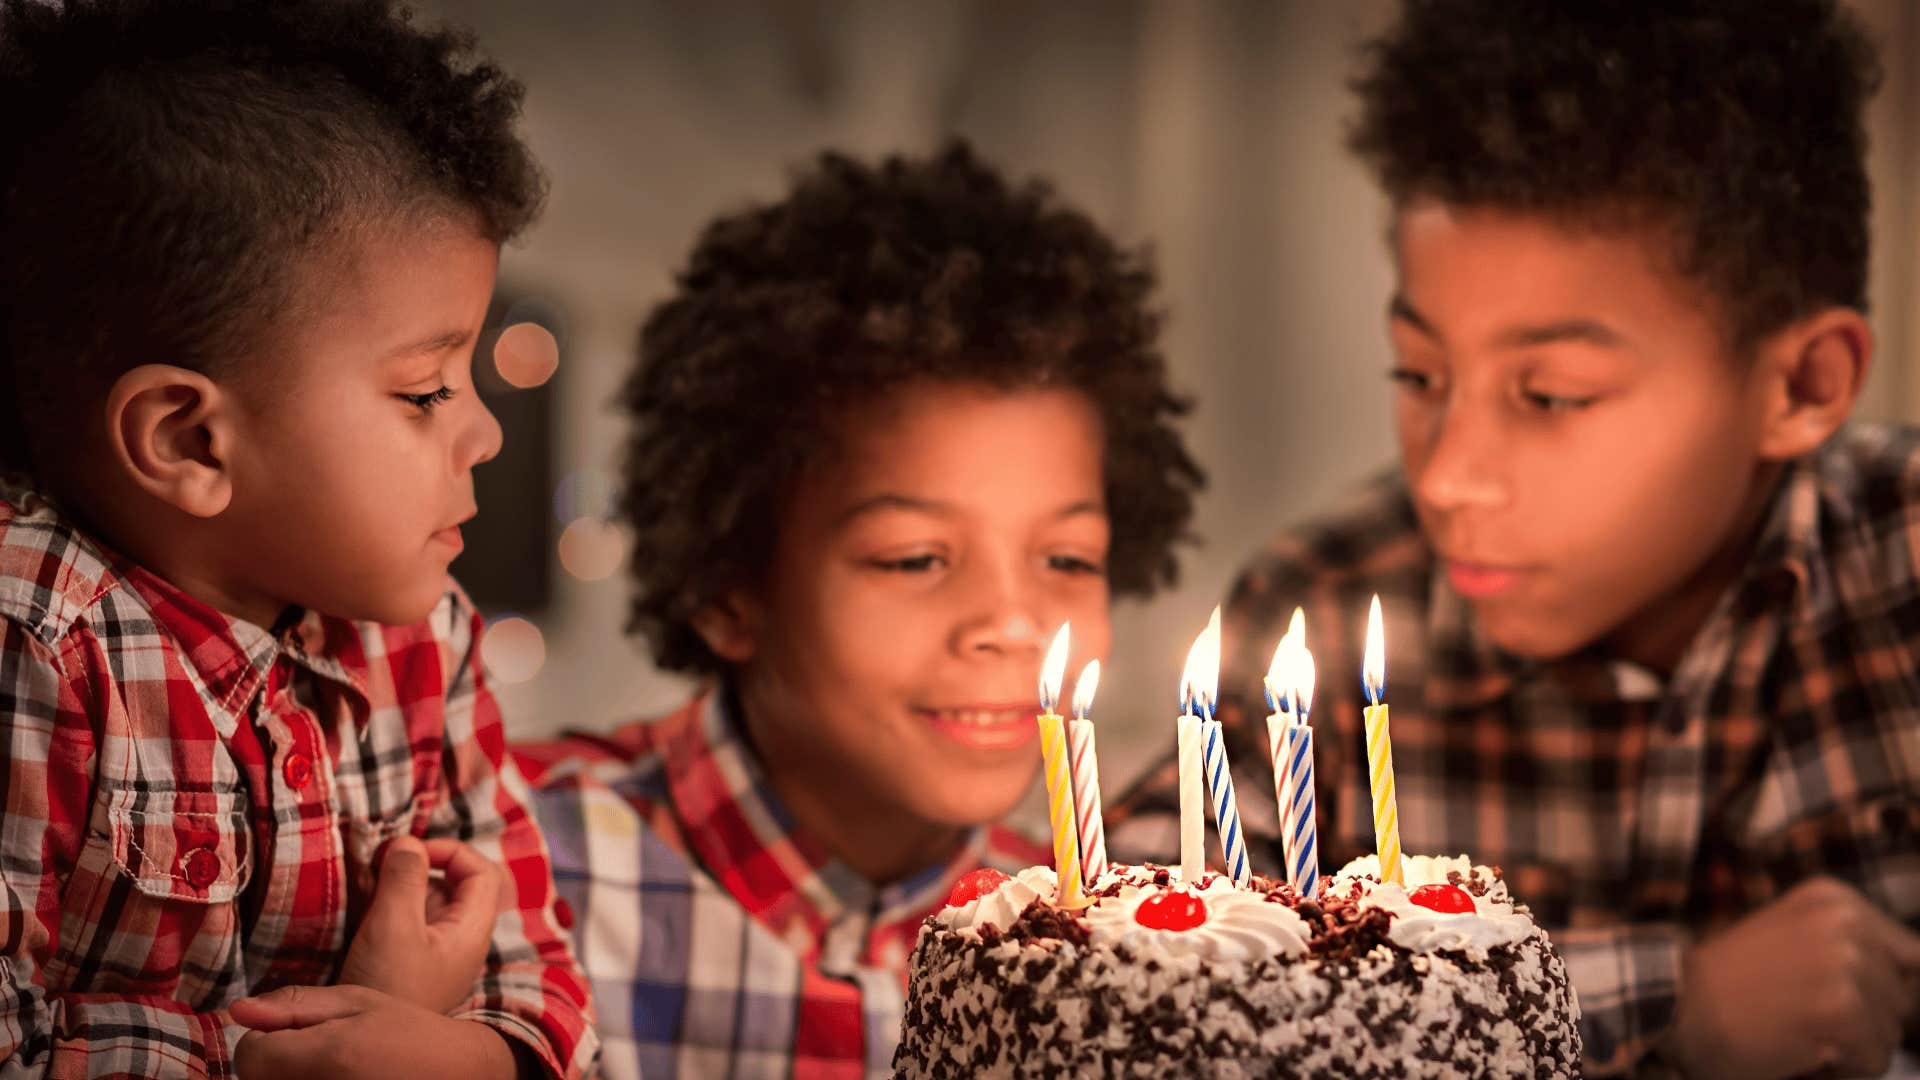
x=984 y=727
x=450 y=536
x=1476 y=580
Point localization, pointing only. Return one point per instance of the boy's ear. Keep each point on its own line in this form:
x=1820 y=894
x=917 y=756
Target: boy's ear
x=1816 y=368
x=170 y=431
x=728 y=627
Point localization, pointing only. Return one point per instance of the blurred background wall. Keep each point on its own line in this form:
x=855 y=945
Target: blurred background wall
x=1210 y=131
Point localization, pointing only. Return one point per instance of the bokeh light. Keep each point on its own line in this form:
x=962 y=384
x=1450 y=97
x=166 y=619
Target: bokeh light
x=514 y=649
x=526 y=355
x=592 y=549
x=582 y=494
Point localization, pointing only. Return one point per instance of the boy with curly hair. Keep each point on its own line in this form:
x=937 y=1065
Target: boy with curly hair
x=247 y=250
x=1653 y=608
x=889 y=433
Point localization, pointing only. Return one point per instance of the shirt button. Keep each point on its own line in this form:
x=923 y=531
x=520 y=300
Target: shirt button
x=563 y=913
x=298 y=770
x=201 y=867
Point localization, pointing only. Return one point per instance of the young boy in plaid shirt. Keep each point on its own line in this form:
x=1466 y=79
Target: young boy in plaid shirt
x=1652 y=609
x=890 y=432
x=247 y=251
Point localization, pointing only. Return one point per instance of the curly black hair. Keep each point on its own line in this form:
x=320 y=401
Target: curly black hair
x=1736 y=125
x=863 y=278
x=169 y=168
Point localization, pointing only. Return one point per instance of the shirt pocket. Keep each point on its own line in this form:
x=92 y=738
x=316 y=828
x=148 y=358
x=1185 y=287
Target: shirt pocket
x=188 y=846
x=364 y=837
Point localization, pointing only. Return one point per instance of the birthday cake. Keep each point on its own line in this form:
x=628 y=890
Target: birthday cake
x=1446 y=976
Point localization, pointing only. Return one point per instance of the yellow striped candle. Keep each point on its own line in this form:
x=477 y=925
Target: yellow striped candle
x=1053 y=752
x=1085 y=770
x=1386 y=815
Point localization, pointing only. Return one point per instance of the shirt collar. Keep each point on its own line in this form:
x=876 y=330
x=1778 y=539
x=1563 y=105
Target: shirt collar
x=234 y=658
x=750 y=842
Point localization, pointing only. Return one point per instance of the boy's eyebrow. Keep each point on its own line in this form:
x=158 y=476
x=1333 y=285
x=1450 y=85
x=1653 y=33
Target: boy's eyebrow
x=1591 y=331
x=1399 y=308
x=446 y=339
x=892 y=501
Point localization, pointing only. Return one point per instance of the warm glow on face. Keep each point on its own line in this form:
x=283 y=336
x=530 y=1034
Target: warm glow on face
x=1083 y=689
x=1200 y=681
x=1054 y=671
x=1373 y=669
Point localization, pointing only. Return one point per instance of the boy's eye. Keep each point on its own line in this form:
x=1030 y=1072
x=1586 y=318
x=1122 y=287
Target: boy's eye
x=1412 y=379
x=911 y=564
x=426 y=402
x=1556 y=403
x=1073 y=564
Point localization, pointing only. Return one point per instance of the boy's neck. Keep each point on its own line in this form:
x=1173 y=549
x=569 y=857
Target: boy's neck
x=1659 y=636
x=156 y=537
x=879 y=843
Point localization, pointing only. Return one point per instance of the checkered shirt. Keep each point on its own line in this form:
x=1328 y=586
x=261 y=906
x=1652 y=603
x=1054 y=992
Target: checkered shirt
x=1631 y=814
x=193 y=805
x=719 y=937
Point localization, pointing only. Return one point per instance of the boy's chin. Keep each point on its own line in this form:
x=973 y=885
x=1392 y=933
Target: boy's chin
x=396 y=608
x=1531 y=637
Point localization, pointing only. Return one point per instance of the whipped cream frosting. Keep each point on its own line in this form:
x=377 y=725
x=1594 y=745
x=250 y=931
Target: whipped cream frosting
x=1494 y=921
x=1003 y=905
x=1240 y=925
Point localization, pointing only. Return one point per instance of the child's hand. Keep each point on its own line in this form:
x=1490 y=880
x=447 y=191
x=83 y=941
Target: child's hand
x=333 y=1031
x=1818 y=979
x=417 y=944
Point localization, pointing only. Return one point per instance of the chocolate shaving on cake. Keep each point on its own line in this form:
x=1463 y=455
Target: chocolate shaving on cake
x=1042 y=921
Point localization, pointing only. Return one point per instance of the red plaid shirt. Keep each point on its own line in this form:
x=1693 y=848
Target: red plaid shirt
x=193 y=803
x=1630 y=813
x=720 y=938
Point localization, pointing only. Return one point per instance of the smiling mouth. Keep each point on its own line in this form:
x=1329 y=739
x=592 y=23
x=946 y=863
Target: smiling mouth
x=992 y=727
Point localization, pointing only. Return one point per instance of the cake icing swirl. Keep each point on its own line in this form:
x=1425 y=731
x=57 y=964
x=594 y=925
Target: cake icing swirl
x=1239 y=925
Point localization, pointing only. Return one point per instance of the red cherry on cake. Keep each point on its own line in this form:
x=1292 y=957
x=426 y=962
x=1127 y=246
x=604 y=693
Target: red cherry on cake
x=973 y=886
x=1175 y=909
x=1448 y=899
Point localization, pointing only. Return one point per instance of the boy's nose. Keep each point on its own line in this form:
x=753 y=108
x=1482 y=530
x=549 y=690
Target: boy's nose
x=481 y=441
x=1462 y=468
x=1000 y=617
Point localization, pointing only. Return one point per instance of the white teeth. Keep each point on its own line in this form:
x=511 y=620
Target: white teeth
x=972 y=717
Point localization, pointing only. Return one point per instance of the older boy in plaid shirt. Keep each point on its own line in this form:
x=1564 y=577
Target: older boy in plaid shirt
x=1652 y=610
x=248 y=249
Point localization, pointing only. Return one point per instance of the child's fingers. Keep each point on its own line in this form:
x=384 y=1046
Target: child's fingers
x=475 y=884
x=301 y=1006
x=400 y=893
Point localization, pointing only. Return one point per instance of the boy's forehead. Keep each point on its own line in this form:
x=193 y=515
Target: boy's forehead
x=394 y=294
x=1534 y=277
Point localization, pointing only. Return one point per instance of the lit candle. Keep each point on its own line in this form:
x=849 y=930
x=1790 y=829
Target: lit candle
x=1193 y=821
x=1386 y=816
x=1202 y=691
x=1086 y=777
x=1289 y=687
x=1053 y=751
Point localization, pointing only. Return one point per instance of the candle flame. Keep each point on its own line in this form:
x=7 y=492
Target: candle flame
x=1302 y=680
x=1054 y=671
x=1083 y=689
x=1373 y=669
x=1278 y=685
x=1200 y=682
